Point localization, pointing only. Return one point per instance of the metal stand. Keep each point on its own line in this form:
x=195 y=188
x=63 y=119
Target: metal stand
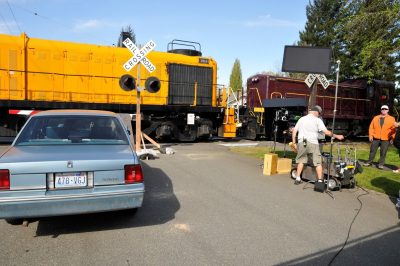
x=284 y=143
x=275 y=133
x=329 y=160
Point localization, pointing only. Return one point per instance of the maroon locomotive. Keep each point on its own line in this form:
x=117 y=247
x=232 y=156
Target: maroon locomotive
x=284 y=100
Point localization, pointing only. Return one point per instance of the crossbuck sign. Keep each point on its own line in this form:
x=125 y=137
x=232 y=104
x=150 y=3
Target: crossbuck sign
x=312 y=77
x=139 y=55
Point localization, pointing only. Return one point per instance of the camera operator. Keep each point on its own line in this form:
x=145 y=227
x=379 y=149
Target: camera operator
x=308 y=128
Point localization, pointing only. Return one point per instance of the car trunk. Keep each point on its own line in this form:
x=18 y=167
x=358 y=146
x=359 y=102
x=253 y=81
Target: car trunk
x=31 y=167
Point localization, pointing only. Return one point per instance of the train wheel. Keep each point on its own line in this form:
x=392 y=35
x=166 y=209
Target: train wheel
x=187 y=135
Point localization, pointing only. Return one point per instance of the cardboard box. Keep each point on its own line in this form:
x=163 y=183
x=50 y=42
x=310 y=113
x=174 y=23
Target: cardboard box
x=270 y=163
x=284 y=165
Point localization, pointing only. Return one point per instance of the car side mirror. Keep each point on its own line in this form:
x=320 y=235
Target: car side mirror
x=129 y=132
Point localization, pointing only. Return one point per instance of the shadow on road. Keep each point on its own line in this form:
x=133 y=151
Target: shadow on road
x=159 y=206
x=381 y=248
x=391 y=187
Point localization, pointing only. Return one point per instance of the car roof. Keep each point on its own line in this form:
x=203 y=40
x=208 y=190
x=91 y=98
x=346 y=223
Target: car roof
x=75 y=112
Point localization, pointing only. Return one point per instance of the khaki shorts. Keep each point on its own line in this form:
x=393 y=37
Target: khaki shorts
x=311 y=151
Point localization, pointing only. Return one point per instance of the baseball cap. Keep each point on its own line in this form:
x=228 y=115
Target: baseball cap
x=385 y=107
x=317 y=108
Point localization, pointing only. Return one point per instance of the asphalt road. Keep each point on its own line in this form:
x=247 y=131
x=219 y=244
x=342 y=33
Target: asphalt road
x=207 y=206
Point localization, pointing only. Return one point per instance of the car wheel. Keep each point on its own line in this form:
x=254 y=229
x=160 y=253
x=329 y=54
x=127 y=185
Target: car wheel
x=129 y=212
x=133 y=211
x=14 y=221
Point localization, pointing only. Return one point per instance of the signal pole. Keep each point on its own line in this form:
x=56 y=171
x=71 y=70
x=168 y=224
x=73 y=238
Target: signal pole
x=138 y=121
x=313 y=95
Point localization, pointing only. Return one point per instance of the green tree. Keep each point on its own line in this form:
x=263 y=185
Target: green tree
x=372 y=37
x=324 y=29
x=364 y=35
x=126 y=32
x=235 y=80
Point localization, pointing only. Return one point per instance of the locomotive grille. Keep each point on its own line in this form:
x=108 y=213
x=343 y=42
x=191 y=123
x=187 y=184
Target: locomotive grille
x=182 y=79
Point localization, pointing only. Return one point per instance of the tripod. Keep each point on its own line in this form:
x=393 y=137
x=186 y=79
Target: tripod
x=330 y=157
x=275 y=135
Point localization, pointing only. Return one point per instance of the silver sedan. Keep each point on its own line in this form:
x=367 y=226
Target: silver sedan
x=69 y=162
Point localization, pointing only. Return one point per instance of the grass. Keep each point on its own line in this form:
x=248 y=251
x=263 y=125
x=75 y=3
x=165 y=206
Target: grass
x=384 y=181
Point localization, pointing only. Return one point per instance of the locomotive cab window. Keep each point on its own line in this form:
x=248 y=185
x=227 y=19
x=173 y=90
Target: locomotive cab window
x=385 y=95
x=370 y=91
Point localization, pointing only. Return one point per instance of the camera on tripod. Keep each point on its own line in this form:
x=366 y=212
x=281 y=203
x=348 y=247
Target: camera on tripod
x=281 y=115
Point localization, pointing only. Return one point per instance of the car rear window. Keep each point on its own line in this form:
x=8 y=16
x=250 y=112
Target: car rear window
x=72 y=130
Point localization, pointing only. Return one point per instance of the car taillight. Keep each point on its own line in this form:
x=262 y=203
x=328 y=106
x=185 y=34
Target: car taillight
x=4 y=180
x=133 y=174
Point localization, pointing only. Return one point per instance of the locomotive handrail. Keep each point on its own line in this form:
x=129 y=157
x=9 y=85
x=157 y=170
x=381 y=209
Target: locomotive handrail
x=232 y=104
x=332 y=97
x=171 y=44
x=258 y=94
x=195 y=94
x=276 y=92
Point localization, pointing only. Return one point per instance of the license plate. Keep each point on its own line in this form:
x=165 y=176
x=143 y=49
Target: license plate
x=70 y=180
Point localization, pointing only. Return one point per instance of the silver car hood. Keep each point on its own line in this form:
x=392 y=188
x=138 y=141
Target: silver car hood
x=55 y=158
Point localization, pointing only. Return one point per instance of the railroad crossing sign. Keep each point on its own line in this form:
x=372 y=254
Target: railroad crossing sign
x=324 y=81
x=312 y=77
x=139 y=55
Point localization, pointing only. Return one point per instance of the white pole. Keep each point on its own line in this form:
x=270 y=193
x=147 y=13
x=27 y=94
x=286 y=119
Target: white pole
x=333 y=124
x=336 y=92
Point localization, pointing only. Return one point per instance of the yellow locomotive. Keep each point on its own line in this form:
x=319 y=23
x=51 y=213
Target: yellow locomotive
x=44 y=74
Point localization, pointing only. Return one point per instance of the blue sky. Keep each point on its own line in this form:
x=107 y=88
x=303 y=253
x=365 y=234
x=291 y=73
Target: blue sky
x=254 y=31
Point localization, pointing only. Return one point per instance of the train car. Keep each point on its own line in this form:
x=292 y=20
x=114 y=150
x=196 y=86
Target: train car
x=38 y=74
x=275 y=103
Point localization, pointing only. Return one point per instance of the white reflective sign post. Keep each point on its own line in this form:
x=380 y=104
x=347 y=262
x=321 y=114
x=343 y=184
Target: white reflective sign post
x=138 y=58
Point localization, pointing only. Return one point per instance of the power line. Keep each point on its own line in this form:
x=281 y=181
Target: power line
x=53 y=21
x=41 y=16
x=12 y=12
x=5 y=23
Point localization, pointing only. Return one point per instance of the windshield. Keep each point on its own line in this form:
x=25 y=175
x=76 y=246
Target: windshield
x=71 y=130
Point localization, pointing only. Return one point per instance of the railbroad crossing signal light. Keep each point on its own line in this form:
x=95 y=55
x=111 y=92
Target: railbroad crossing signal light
x=127 y=82
x=152 y=84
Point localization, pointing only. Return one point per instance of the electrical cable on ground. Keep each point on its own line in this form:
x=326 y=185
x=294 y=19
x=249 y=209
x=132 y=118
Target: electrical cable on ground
x=351 y=224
